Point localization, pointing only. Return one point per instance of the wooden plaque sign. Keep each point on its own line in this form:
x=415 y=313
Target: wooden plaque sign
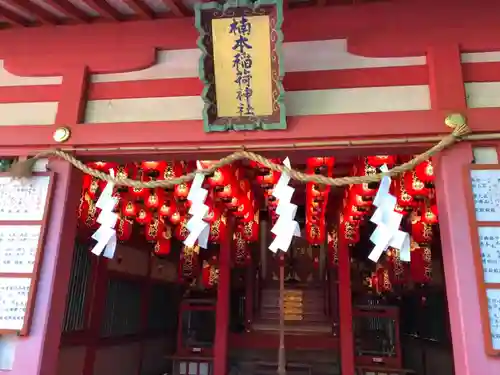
x=483 y=189
x=241 y=64
x=24 y=207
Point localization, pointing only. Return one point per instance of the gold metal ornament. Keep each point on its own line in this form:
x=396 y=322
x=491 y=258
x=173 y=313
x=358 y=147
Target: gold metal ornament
x=61 y=134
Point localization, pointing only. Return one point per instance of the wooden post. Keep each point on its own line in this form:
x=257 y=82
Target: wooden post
x=222 y=308
x=281 y=351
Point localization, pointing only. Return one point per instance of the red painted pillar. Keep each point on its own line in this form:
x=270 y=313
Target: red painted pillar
x=249 y=293
x=345 y=311
x=222 y=308
x=38 y=353
x=461 y=284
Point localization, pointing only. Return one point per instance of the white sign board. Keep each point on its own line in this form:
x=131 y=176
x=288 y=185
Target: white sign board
x=23 y=200
x=18 y=248
x=14 y=294
x=486 y=192
x=494 y=315
x=489 y=242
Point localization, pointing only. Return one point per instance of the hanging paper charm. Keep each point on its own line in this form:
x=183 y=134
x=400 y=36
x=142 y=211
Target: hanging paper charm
x=106 y=234
x=387 y=234
x=286 y=227
x=197 y=227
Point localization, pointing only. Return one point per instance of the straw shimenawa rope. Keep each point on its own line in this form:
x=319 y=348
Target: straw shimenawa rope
x=23 y=169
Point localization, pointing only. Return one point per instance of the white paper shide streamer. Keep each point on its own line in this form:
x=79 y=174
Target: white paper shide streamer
x=387 y=234
x=199 y=229
x=106 y=234
x=286 y=227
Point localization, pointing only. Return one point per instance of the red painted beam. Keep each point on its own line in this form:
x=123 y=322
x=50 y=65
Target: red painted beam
x=141 y=9
x=177 y=8
x=69 y=10
x=13 y=18
x=105 y=10
x=42 y=15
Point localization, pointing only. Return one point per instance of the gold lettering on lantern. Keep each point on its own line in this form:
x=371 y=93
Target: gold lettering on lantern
x=213 y=276
x=121 y=173
x=429 y=170
x=427 y=256
x=91 y=214
x=169 y=171
x=247 y=229
x=94 y=185
x=214 y=228
x=153 y=228
x=167 y=233
x=416 y=184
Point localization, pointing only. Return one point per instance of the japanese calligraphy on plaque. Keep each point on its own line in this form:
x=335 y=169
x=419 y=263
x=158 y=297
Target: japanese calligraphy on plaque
x=241 y=65
x=494 y=315
x=486 y=192
x=23 y=214
x=18 y=248
x=23 y=200
x=14 y=294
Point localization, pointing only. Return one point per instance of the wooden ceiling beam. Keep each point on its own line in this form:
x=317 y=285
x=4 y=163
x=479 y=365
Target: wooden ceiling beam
x=44 y=16
x=177 y=8
x=13 y=18
x=69 y=10
x=140 y=8
x=105 y=10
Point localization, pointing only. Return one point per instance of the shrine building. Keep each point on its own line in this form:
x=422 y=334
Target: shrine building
x=242 y=187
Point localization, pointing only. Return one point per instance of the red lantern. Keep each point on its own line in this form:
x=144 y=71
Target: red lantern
x=164 y=243
x=414 y=186
x=181 y=232
x=333 y=244
x=349 y=232
x=209 y=275
x=315 y=233
x=143 y=216
x=153 y=168
x=154 y=199
x=129 y=208
x=124 y=229
x=167 y=208
x=421 y=232
x=218 y=229
x=404 y=199
x=189 y=262
x=425 y=172
x=250 y=229
x=270 y=179
x=181 y=191
x=154 y=229
x=421 y=263
x=139 y=193
x=221 y=176
x=429 y=212
x=379 y=160
x=365 y=189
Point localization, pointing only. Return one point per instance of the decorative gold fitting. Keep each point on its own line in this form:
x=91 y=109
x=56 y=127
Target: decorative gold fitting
x=61 y=135
x=455 y=119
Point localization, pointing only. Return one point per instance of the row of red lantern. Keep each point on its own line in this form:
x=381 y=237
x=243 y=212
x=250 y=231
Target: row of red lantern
x=267 y=180
x=317 y=200
x=152 y=208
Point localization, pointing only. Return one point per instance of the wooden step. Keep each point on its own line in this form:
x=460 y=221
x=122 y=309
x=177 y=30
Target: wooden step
x=292 y=327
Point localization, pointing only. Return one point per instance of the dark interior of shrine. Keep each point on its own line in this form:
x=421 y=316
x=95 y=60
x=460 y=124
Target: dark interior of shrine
x=399 y=309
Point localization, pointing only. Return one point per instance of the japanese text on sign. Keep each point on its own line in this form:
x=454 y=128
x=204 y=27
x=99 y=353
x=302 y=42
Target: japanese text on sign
x=14 y=294
x=494 y=315
x=241 y=28
x=489 y=241
x=486 y=191
x=18 y=248
x=21 y=200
